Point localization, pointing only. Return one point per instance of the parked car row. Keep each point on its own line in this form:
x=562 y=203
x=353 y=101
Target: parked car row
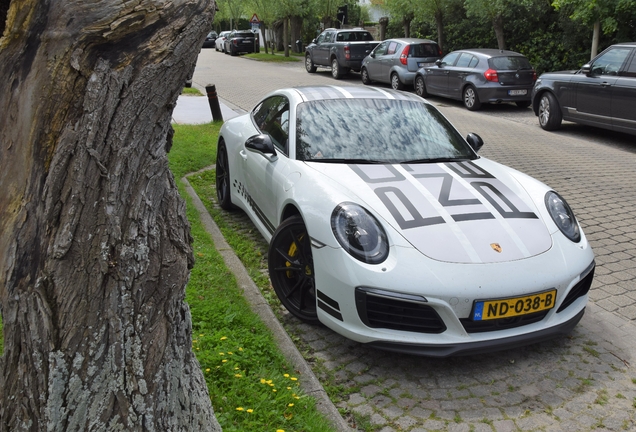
x=602 y=93
x=234 y=42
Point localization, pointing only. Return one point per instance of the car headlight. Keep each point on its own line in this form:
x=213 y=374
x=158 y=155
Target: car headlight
x=562 y=216
x=359 y=233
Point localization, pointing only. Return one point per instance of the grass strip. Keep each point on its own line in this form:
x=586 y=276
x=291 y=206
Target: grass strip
x=252 y=386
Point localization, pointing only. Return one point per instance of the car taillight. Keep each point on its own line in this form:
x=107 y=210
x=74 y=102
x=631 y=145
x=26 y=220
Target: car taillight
x=440 y=51
x=235 y=42
x=347 y=51
x=491 y=75
x=534 y=75
x=405 y=54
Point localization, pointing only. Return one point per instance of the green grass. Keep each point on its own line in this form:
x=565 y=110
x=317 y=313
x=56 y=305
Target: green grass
x=252 y=386
x=275 y=58
x=191 y=91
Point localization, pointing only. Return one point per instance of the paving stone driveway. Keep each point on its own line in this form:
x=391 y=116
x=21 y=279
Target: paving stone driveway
x=584 y=382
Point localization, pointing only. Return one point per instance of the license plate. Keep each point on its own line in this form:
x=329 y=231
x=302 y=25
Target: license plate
x=517 y=92
x=516 y=306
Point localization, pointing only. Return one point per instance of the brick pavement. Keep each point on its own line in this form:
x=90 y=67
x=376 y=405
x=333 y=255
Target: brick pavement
x=584 y=382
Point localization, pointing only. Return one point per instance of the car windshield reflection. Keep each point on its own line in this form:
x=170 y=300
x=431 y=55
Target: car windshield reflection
x=376 y=131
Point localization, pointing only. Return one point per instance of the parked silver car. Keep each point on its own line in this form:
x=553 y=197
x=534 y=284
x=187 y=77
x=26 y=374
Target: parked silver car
x=395 y=61
x=477 y=76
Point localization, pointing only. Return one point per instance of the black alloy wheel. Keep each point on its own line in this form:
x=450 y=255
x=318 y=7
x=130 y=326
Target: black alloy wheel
x=471 y=99
x=309 y=64
x=223 y=192
x=291 y=269
x=550 y=116
x=420 y=86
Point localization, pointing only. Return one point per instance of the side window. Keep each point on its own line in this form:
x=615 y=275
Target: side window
x=272 y=117
x=464 y=60
x=329 y=37
x=610 y=62
x=381 y=49
x=473 y=62
x=631 y=69
x=449 y=60
x=320 y=38
x=393 y=46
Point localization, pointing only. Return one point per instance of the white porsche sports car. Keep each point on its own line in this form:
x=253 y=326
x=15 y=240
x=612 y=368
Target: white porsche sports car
x=385 y=225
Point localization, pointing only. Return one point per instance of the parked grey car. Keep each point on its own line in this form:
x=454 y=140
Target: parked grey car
x=602 y=93
x=395 y=61
x=477 y=76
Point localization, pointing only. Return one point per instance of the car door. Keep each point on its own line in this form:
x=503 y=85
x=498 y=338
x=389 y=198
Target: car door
x=323 y=45
x=264 y=174
x=624 y=98
x=457 y=74
x=594 y=89
x=374 y=66
x=391 y=57
x=436 y=77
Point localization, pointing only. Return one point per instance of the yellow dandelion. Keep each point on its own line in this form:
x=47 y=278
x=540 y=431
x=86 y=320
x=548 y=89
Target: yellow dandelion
x=274 y=390
x=207 y=370
x=240 y=349
x=280 y=430
x=290 y=405
x=250 y=410
x=263 y=381
x=286 y=375
x=237 y=375
x=194 y=341
x=288 y=388
x=198 y=349
x=201 y=335
x=230 y=353
x=239 y=409
x=294 y=379
x=296 y=397
x=224 y=337
x=221 y=354
x=224 y=361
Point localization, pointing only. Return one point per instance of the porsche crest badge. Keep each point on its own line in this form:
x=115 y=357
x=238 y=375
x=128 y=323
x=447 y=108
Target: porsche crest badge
x=496 y=247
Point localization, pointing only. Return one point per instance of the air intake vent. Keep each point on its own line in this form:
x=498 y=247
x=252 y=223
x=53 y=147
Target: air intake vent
x=580 y=289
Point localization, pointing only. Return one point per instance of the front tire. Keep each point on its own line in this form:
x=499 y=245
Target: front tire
x=364 y=74
x=396 y=84
x=223 y=188
x=550 y=116
x=291 y=269
x=309 y=64
x=471 y=99
x=420 y=86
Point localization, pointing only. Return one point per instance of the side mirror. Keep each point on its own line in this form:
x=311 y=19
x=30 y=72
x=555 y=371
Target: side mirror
x=586 y=69
x=475 y=141
x=261 y=143
x=372 y=55
x=313 y=41
x=438 y=62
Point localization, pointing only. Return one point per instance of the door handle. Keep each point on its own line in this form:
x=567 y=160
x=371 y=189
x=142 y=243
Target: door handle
x=243 y=154
x=605 y=84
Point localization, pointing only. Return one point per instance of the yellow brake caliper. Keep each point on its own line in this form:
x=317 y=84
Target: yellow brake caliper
x=293 y=250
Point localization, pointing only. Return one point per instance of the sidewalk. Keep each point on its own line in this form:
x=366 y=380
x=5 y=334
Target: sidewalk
x=196 y=110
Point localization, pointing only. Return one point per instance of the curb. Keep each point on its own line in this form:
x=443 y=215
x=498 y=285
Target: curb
x=259 y=305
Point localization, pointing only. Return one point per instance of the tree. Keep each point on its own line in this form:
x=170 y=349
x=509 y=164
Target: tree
x=600 y=15
x=492 y=10
x=94 y=242
x=404 y=10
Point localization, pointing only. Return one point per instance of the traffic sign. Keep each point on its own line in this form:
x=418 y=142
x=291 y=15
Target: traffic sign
x=255 y=20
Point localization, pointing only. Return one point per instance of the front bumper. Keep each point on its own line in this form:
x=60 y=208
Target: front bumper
x=449 y=291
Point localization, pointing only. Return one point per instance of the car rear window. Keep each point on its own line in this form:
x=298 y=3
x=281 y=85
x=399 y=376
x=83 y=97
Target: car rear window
x=244 y=34
x=424 y=50
x=383 y=130
x=354 y=36
x=509 y=63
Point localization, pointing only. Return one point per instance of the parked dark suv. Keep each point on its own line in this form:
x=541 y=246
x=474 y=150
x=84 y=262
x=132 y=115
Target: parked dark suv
x=477 y=76
x=602 y=93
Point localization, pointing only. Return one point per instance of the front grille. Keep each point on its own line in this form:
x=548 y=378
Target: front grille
x=501 y=323
x=380 y=309
x=580 y=289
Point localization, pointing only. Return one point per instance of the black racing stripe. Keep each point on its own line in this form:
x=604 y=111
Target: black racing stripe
x=261 y=216
x=472 y=216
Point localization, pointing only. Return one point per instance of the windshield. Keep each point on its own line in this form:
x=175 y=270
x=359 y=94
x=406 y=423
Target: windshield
x=376 y=131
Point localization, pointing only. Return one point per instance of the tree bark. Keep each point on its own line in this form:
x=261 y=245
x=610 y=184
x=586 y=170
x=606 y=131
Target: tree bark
x=596 y=35
x=94 y=242
x=406 y=24
x=384 y=23
x=296 y=27
x=439 y=21
x=286 y=36
x=497 y=23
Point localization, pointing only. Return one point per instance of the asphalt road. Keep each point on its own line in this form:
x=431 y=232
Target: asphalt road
x=584 y=382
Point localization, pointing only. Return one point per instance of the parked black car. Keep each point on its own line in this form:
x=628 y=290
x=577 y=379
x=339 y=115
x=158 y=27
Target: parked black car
x=210 y=39
x=477 y=76
x=602 y=93
x=240 y=41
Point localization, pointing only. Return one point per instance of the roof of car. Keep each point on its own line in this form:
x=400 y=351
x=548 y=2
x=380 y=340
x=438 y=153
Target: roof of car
x=349 y=30
x=412 y=40
x=491 y=52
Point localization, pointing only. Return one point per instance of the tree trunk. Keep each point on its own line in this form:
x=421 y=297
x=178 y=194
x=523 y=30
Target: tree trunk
x=296 y=24
x=264 y=32
x=596 y=35
x=406 y=24
x=439 y=21
x=384 y=23
x=286 y=36
x=497 y=23
x=94 y=242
